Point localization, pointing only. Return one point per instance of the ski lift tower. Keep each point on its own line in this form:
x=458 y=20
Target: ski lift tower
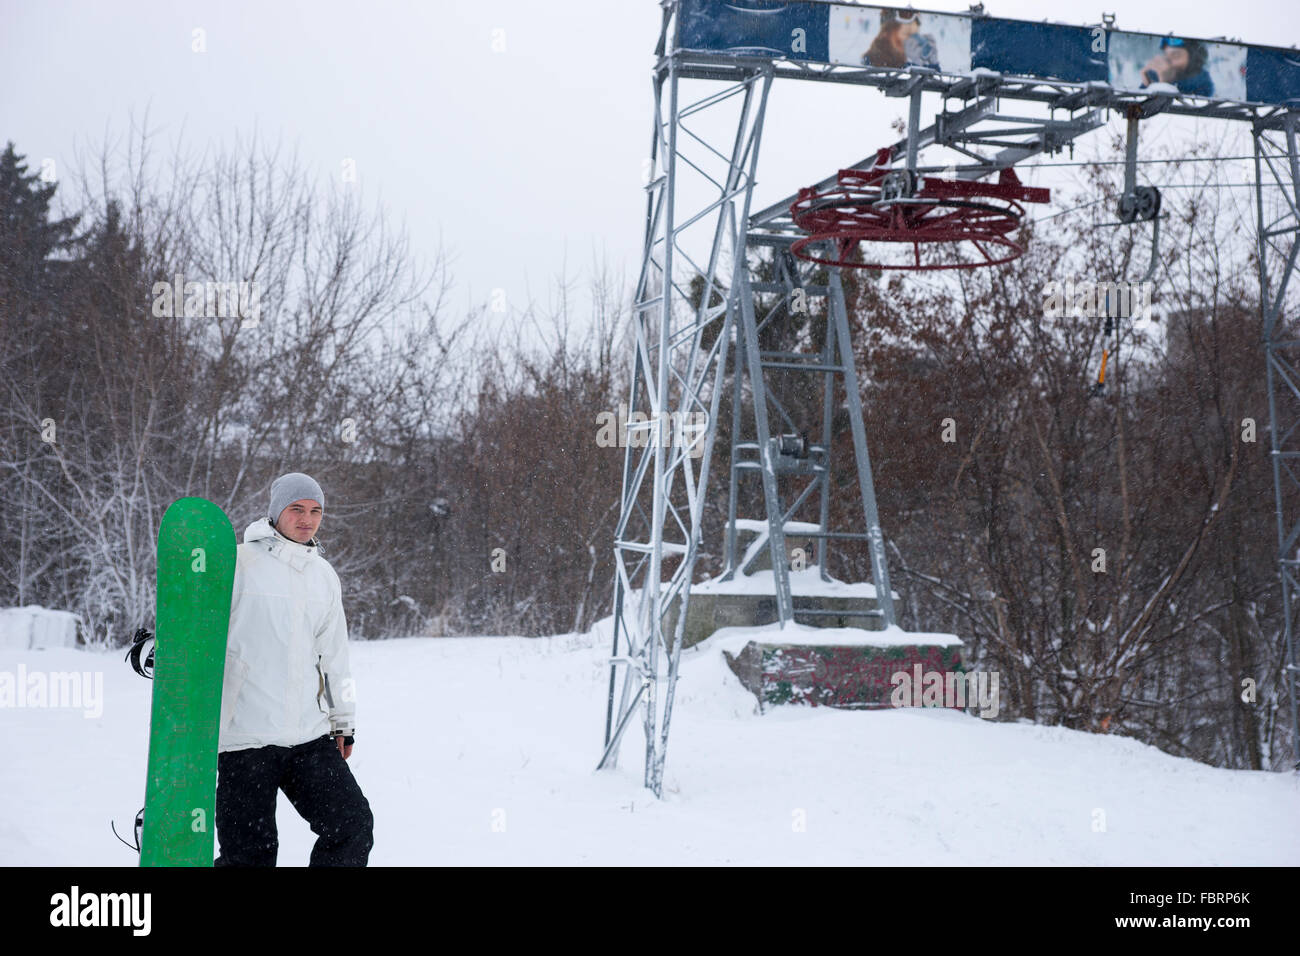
x=1000 y=91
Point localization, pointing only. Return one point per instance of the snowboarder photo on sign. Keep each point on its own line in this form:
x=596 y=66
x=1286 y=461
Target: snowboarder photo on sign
x=287 y=703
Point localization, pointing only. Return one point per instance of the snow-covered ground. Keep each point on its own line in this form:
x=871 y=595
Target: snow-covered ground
x=481 y=751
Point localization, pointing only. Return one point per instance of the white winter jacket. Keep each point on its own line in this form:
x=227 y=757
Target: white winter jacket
x=287 y=679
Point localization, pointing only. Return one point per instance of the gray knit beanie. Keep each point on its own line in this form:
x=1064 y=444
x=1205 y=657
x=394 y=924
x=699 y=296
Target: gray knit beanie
x=292 y=487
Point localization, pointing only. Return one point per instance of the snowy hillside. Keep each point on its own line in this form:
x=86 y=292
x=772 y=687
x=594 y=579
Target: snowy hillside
x=481 y=751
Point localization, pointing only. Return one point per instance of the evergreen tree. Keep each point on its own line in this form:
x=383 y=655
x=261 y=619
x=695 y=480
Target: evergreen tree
x=29 y=238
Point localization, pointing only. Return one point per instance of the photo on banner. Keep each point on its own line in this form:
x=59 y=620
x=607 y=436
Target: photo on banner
x=1139 y=61
x=895 y=37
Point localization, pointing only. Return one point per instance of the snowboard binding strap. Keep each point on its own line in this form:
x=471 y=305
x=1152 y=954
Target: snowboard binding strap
x=134 y=653
x=139 y=827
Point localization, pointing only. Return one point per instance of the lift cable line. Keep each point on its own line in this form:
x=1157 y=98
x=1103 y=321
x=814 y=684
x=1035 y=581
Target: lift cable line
x=1144 y=162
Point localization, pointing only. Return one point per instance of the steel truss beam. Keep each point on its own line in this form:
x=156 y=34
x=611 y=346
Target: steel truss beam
x=1057 y=94
x=1018 y=136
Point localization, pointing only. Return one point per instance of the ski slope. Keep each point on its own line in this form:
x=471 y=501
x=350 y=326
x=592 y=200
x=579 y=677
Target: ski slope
x=481 y=751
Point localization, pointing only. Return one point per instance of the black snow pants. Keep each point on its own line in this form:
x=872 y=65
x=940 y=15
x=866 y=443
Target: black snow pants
x=319 y=784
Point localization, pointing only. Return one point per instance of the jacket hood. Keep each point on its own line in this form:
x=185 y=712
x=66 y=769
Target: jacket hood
x=291 y=552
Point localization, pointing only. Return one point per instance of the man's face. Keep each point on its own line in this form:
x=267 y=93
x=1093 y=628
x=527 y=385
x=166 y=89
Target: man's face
x=1178 y=59
x=905 y=29
x=299 y=521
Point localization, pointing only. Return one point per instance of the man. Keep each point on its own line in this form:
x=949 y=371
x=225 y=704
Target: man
x=287 y=700
x=899 y=42
x=1182 y=63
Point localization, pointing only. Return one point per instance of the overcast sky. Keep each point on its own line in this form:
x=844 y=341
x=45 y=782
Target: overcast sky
x=535 y=148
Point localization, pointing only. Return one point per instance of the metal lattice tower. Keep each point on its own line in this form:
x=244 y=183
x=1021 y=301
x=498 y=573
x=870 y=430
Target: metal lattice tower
x=675 y=380
x=704 y=155
x=1277 y=162
x=784 y=452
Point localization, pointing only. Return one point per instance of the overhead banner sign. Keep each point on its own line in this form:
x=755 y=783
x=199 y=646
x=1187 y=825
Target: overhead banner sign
x=897 y=37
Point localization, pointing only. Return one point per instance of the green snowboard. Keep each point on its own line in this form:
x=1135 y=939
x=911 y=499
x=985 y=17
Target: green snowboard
x=196 y=572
